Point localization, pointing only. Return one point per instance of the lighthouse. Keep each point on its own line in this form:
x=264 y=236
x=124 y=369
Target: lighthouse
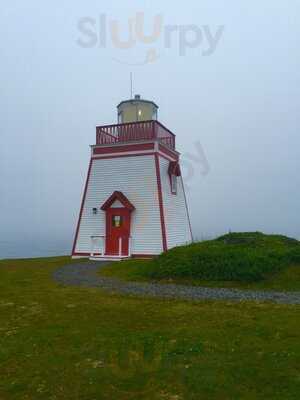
x=133 y=203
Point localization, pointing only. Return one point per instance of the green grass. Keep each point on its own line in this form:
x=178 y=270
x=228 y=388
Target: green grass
x=243 y=260
x=72 y=343
x=133 y=270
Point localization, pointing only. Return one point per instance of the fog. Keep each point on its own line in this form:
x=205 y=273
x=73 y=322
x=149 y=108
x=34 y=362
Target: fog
x=224 y=74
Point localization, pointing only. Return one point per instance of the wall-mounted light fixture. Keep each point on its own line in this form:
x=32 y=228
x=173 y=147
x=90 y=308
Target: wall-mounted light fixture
x=95 y=210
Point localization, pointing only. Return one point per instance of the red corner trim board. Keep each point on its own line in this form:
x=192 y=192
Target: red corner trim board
x=161 y=207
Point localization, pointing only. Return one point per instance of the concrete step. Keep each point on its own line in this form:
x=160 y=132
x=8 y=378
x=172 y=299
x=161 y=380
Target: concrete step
x=109 y=258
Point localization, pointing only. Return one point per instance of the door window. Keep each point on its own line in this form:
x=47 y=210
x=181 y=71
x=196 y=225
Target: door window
x=117 y=221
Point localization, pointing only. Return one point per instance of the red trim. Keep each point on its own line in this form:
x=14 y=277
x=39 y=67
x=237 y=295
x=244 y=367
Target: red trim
x=161 y=207
x=122 y=149
x=124 y=155
x=134 y=155
x=166 y=157
x=117 y=196
x=174 y=168
x=168 y=152
x=187 y=210
x=82 y=205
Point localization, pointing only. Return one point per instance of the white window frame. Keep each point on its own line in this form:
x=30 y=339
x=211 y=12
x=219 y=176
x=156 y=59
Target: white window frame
x=174 y=183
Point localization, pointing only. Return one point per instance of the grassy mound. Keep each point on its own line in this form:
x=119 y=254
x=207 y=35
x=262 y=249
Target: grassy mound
x=244 y=257
x=241 y=257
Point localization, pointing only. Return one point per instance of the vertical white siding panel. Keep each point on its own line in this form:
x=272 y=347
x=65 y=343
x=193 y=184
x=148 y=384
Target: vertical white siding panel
x=136 y=178
x=175 y=209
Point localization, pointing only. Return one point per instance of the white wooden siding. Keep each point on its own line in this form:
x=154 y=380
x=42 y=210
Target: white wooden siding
x=117 y=204
x=175 y=209
x=136 y=178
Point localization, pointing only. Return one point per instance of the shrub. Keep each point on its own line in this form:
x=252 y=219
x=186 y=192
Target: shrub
x=247 y=257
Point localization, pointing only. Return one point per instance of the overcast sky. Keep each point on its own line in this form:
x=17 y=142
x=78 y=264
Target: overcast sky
x=224 y=74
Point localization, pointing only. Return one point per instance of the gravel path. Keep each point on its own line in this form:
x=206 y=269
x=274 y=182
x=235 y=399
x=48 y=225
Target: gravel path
x=86 y=275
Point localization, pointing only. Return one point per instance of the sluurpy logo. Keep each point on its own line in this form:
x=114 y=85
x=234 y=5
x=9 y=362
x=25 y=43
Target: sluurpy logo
x=103 y=32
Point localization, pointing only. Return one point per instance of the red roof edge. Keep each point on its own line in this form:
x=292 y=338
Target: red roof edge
x=174 y=168
x=117 y=196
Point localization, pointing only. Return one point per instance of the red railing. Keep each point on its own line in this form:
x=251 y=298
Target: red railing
x=135 y=132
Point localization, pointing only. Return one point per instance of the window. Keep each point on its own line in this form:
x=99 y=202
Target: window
x=117 y=221
x=174 y=172
x=174 y=184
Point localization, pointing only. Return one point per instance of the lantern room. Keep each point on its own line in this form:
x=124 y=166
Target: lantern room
x=136 y=109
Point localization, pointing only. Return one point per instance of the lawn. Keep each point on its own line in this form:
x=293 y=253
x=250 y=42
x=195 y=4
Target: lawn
x=249 y=260
x=73 y=343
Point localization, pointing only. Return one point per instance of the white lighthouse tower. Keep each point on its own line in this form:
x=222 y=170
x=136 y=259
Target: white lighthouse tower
x=133 y=203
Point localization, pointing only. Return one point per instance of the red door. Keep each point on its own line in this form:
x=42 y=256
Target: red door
x=117 y=231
